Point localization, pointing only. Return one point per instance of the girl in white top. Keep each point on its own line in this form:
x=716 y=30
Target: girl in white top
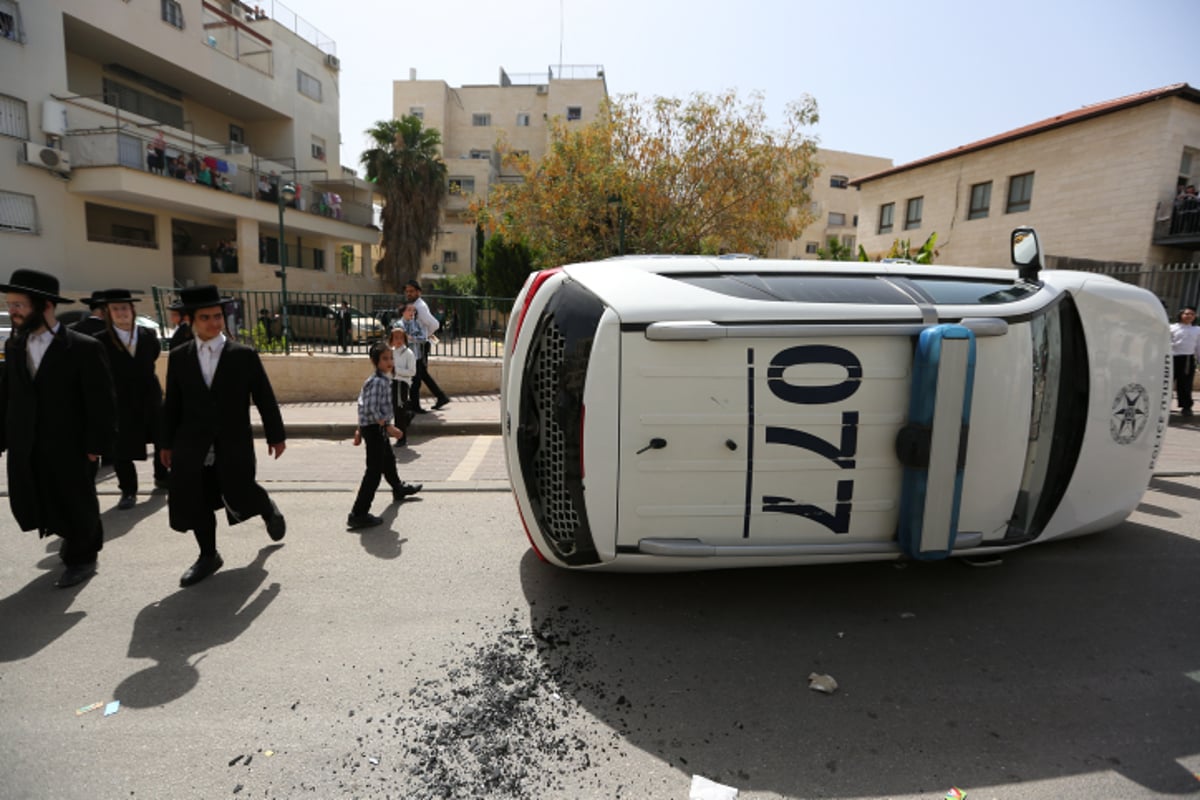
x=404 y=367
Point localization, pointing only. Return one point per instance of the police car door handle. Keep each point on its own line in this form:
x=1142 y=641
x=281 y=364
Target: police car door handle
x=655 y=444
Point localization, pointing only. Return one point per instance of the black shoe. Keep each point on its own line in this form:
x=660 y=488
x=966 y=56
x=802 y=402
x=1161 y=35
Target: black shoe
x=162 y=483
x=401 y=443
x=356 y=521
x=1187 y=412
x=441 y=403
x=276 y=524
x=420 y=410
x=406 y=490
x=127 y=502
x=204 y=566
x=74 y=575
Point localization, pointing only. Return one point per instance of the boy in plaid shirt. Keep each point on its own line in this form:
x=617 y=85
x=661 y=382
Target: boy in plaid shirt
x=374 y=426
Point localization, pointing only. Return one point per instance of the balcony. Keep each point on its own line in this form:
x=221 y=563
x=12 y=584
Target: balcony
x=118 y=163
x=1181 y=228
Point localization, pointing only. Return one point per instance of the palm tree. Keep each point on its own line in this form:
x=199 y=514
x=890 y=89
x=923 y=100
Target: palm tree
x=407 y=166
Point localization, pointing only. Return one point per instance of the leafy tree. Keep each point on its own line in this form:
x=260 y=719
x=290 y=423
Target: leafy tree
x=837 y=251
x=504 y=266
x=406 y=165
x=902 y=248
x=661 y=176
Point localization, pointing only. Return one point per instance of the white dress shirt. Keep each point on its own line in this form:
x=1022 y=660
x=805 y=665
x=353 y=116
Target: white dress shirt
x=425 y=317
x=128 y=338
x=36 y=345
x=209 y=354
x=1185 y=340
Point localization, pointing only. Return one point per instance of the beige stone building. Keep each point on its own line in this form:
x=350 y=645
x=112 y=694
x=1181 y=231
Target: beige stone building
x=87 y=89
x=834 y=204
x=473 y=120
x=1098 y=184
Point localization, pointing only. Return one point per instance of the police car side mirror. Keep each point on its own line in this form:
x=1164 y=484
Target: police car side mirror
x=1026 y=253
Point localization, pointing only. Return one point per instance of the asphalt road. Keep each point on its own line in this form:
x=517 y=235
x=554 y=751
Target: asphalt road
x=436 y=657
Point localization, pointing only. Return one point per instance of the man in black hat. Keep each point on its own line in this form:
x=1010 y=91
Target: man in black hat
x=207 y=441
x=58 y=416
x=94 y=322
x=412 y=293
x=183 y=325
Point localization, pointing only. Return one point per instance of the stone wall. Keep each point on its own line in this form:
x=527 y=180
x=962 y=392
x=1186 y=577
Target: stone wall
x=304 y=378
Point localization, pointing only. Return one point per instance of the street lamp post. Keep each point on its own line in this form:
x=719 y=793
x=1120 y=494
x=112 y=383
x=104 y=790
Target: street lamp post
x=287 y=193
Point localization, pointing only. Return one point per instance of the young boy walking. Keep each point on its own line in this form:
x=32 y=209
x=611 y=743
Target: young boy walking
x=374 y=426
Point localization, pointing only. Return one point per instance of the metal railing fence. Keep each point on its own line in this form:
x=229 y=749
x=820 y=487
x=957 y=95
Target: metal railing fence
x=1175 y=285
x=471 y=326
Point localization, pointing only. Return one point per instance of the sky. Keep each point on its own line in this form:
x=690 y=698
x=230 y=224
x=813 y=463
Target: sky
x=900 y=80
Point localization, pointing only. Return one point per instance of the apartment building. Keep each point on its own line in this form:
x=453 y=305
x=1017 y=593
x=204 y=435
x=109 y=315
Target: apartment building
x=834 y=203
x=473 y=120
x=1099 y=184
x=105 y=107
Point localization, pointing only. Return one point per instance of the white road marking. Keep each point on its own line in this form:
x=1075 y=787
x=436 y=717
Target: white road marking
x=474 y=457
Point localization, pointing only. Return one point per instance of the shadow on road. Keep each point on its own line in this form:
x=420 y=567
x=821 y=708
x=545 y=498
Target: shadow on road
x=190 y=622
x=1068 y=658
x=34 y=616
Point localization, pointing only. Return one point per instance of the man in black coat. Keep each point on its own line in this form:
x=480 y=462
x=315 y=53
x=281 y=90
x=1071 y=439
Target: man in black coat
x=58 y=416
x=183 y=325
x=94 y=322
x=132 y=350
x=207 y=441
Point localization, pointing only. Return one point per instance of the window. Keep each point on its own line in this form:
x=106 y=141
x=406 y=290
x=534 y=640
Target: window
x=522 y=120
x=912 y=213
x=848 y=242
x=417 y=111
x=839 y=181
x=136 y=101
x=449 y=256
x=574 y=112
x=14 y=117
x=887 y=213
x=119 y=226
x=837 y=218
x=1020 y=193
x=318 y=148
x=308 y=85
x=18 y=213
x=481 y=120
x=172 y=13
x=811 y=247
x=981 y=200
x=10 y=21
x=482 y=155
x=318 y=258
x=462 y=186
x=237 y=134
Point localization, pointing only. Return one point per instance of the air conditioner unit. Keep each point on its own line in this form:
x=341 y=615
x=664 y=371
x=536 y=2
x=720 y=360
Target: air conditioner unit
x=47 y=158
x=437 y=267
x=237 y=148
x=543 y=88
x=333 y=61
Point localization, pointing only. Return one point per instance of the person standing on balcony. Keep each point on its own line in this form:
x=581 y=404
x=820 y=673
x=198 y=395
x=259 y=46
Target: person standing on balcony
x=132 y=350
x=1185 y=348
x=429 y=325
x=208 y=444
x=57 y=415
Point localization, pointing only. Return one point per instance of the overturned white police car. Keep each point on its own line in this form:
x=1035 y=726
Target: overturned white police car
x=706 y=412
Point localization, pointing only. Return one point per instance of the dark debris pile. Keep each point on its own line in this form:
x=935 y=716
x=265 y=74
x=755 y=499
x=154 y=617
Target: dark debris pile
x=501 y=722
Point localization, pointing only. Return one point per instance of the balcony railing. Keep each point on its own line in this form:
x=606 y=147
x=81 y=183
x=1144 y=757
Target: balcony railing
x=240 y=173
x=228 y=34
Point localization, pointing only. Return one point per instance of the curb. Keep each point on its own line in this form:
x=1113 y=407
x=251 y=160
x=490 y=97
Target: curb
x=345 y=430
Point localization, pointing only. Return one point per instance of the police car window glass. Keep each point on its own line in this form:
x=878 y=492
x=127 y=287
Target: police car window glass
x=857 y=289
x=960 y=292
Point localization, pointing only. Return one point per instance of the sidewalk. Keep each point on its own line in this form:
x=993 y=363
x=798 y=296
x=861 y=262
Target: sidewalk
x=479 y=414
x=466 y=415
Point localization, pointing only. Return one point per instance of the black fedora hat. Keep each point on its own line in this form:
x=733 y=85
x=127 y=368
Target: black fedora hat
x=92 y=300
x=195 y=297
x=35 y=284
x=107 y=296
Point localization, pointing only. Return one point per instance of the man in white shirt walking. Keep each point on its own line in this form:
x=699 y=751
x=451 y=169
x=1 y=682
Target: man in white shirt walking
x=1185 y=348
x=412 y=293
